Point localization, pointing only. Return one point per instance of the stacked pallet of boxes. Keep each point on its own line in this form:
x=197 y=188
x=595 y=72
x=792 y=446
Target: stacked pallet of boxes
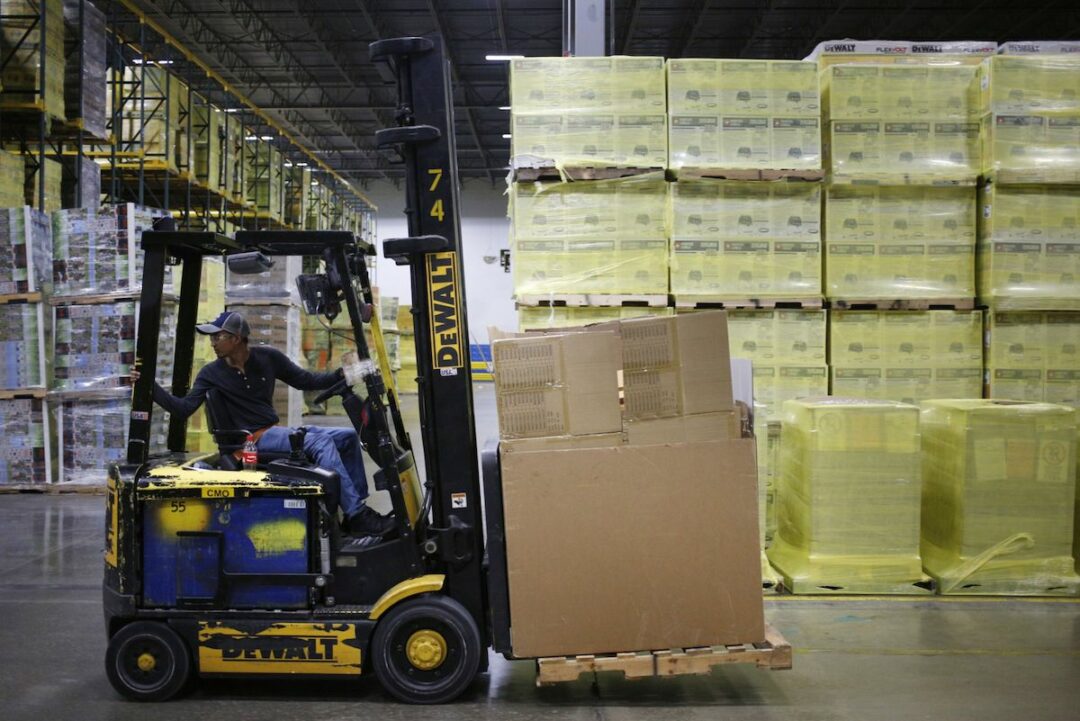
x=601 y=241
x=599 y=474
x=270 y=303
x=208 y=144
x=28 y=80
x=96 y=267
x=84 y=65
x=12 y=189
x=903 y=159
x=264 y=179
x=998 y=498
x=1029 y=252
x=153 y=108
x=25 y=272
x=848 y=498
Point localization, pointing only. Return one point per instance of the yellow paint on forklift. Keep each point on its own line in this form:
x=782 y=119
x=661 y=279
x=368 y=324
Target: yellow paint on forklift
x=272 y=538
x=279 y=648
x=181 y=478
x=411 y=587
x=183 y=514
x=112 y=504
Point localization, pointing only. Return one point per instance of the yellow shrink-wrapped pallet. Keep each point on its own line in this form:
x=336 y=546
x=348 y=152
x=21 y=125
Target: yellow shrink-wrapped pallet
x=29 y=80
x=605 y=237
x=999 y=487
x=900 y=92
x=901 y=52
x=542 y=317
x=906 y=355
x=1031 y=117
x=777 y=337
x=738 y=239
x=899 y=242
x=1029 y=250
x=588 y=111
x=903 y=151
x=848 y=497
x=1034 y=356
x=12 y=180
x=744 y=114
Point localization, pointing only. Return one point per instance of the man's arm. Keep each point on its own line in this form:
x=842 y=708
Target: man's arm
x=297 y=377
x=183 y=407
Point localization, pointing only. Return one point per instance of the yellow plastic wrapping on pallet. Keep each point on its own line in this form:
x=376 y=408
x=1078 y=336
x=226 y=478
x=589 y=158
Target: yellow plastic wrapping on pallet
x=848 y=497
x=1029 y=250
x=999 y=487
x=901 y=92
x=777 y=337
x=27 y=81
x=1034 y=356
x=607 y=237
x=734 y=114
x=906 y=355
x=903 y=152
x=12 y=187
x=901 y=52
x=739 y=239
x=888 y=242
x=1031 y=117
x=592 y=111
x=541 y=317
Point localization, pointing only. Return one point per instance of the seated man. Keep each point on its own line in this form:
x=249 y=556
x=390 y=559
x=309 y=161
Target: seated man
x=243 y=377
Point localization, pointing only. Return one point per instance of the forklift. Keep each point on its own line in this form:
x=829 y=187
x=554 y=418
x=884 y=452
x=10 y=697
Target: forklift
x=215 y=571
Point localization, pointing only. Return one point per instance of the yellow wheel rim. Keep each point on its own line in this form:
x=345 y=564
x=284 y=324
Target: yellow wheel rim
x=426 y=649
x=147 y=662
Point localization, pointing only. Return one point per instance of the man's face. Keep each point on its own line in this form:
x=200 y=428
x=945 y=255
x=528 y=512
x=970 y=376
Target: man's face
x=223 y=343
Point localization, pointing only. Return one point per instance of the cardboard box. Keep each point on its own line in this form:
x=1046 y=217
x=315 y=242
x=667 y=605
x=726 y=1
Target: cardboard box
x=556 y=385
x=676 y=366
x=685 y=429
x=560 y=443
x=591 y=571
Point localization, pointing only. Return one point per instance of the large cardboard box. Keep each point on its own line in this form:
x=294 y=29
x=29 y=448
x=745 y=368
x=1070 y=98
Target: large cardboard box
x=557 y=385
x=685 y=429
x=592 y=570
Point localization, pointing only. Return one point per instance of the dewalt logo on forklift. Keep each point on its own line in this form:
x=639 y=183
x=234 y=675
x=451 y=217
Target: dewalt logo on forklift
x=446 y=343
x=294 y=648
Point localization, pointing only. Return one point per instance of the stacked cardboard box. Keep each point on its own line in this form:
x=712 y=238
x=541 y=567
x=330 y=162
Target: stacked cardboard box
x=901 y=52
x=787 y=349
x=848 y=498
x=12 y=186
x=743 y=114
x=562 y=450
x=604 y=237
x=1031 y=113
x=24 y=442
x=84 y=63
x=902 y=123
x=543 y=317
x=27 y=80
x=1034 y=356
x=96 y=252
x=998 y=498
x=1029 y=251
x=899 y=242
x=606 y=111
x=22 y=346
x=906 y=355
x=732 y=239
x=25 y=251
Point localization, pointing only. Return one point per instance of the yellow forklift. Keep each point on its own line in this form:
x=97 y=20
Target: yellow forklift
x=212 y=570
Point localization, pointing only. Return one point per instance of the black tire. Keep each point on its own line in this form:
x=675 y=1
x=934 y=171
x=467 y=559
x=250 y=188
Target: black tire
x=147 y=661
x=456 y=664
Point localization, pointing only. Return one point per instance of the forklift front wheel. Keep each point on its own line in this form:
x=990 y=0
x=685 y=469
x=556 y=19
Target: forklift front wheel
x=426 y=650
x=147 y=661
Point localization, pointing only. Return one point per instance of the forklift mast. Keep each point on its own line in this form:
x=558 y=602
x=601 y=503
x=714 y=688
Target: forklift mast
x=425 y=140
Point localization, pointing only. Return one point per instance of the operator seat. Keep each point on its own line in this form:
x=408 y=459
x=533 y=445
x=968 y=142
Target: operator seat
x=230 y=438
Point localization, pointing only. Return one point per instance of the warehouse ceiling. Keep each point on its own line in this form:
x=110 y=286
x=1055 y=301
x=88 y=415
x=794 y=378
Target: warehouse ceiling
x=305 y=61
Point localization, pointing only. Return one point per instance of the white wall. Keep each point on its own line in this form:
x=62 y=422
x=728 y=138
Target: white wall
x=485 y=230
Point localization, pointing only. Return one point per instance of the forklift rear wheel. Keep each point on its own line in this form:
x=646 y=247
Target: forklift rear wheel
x=426 y=650
x=147 y=661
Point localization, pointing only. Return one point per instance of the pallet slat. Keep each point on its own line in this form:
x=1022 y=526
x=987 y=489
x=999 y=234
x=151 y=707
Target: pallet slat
x=576 y=172
x=795 y=175
x=902 y=303
x=710 y=301
x=773 y=653
x=593 y=300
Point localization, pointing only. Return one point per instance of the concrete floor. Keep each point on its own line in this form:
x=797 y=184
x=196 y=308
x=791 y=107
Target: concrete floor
x=865 y=659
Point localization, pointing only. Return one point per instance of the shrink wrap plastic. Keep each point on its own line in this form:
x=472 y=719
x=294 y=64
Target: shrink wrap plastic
x=1034 y=356
x=24 y=442
x=25 y=250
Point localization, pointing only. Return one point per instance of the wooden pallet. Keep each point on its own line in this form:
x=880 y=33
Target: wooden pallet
x=578 y=172
x=903 y=179
x=773 y=653
x=18 y=393
x=902 y=304
x=597 y=300
x=7 y=298
x=710 y=301
x=792 y=175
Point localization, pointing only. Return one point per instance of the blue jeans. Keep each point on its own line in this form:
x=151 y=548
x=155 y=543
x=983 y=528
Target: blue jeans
x=335 y=449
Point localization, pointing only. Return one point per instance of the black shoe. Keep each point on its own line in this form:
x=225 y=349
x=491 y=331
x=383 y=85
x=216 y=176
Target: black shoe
x=366 y=522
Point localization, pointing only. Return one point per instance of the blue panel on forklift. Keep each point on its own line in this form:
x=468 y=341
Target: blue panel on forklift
x=258 y=534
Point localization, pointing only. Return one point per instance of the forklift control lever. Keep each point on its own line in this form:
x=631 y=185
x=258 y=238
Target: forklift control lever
x=338 y=388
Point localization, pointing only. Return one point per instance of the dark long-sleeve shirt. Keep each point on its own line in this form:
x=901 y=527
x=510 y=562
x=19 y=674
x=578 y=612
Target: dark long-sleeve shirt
x=248 y=394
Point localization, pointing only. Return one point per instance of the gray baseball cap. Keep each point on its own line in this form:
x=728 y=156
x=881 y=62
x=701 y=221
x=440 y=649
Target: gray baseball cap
x=230 y=322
